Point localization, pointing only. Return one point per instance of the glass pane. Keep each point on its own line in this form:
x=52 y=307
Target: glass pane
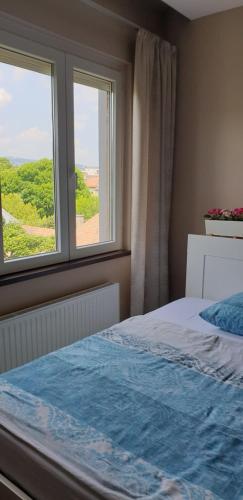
x=26 y=157
x=92 y=161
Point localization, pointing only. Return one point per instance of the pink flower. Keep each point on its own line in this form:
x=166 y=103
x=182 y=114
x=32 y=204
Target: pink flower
x=215 y=211
x=237 y=212
x=226 y=213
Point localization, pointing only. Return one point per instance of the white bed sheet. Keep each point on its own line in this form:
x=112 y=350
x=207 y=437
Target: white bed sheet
x=186 y=311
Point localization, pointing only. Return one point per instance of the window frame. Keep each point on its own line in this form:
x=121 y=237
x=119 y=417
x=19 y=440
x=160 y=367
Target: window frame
x=80 y=64
x=63 y=129
x=57 y=59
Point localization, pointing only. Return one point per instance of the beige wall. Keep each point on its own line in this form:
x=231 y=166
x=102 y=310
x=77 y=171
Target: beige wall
x=32 y=292
x=146 y=13
x=209 y=137
x=76 y=21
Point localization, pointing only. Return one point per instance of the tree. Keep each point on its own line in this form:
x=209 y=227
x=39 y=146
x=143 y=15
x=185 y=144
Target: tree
x=33 y=182
x=41 y=197
x=5 y=164
x=81 y=187
x=10 y=182
x=38 y=186
x=25 y=213
x=19 y=244
x=87 y=206
x=27 y=193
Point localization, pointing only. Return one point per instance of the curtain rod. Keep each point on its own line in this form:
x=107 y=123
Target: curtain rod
x=108 y=12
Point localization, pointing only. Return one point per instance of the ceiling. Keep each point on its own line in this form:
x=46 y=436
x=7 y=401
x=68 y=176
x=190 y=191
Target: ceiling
x=194 y=9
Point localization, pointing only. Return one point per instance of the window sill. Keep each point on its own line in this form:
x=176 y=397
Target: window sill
x=9 y=279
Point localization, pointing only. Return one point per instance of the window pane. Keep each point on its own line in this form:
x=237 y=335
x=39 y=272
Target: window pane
x=92 y=126
x=26 y=156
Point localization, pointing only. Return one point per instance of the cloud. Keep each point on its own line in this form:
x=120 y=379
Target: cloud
x=33 y=134
x=5 y=97
x=4 y=139
x=18 y=73
x=86 y=96
x=81 y=121
x=85 y=156
x=31 y=143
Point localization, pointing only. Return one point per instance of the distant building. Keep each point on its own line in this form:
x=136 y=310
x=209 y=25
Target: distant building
x=91 y=171
x=92 y=182
x=8 y=217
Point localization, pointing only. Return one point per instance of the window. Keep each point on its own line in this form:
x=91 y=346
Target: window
x=27 y=163
x=59 y=167
x=92 y=144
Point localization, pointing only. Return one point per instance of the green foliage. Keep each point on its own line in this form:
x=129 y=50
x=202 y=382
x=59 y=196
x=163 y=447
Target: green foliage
x=37 y=186
x=87 y=206
x=33 y=183
x=40 y=197
x=25 y=213
x=28 y=195
x=19 y=244
x=10 y=181
x=5 y=164
x=81 y=187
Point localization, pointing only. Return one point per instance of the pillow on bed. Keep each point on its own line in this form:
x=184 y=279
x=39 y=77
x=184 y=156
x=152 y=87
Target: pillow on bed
x=227 y=314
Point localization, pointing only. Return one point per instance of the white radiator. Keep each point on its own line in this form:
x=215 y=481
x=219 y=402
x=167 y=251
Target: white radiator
x=34 y=332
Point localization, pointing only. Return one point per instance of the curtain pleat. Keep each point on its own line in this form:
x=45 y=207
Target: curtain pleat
x=153 y=144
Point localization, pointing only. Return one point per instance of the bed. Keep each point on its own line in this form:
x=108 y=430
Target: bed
x=151 y=408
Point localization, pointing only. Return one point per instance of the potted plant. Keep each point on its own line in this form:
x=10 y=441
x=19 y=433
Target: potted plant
x=224 y=222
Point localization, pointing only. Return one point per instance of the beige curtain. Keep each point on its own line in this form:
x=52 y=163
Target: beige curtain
x=153 y=143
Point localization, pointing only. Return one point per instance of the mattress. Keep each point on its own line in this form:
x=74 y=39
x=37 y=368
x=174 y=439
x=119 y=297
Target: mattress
x=146 y=409
x=185 y=312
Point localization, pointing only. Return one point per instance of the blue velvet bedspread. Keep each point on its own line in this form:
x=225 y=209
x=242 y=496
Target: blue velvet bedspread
x=143 y=416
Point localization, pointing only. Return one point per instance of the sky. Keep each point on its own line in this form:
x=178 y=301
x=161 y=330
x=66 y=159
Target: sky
x=26 y=117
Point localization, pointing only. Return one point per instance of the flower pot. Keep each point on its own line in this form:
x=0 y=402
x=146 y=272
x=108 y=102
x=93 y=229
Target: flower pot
x=230 y=228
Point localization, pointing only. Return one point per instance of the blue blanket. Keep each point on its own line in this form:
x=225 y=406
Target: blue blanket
x=146 y=409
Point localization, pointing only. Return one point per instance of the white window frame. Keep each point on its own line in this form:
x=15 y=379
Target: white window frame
x=63 y=126
x=36 y=50
x=79 y=64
